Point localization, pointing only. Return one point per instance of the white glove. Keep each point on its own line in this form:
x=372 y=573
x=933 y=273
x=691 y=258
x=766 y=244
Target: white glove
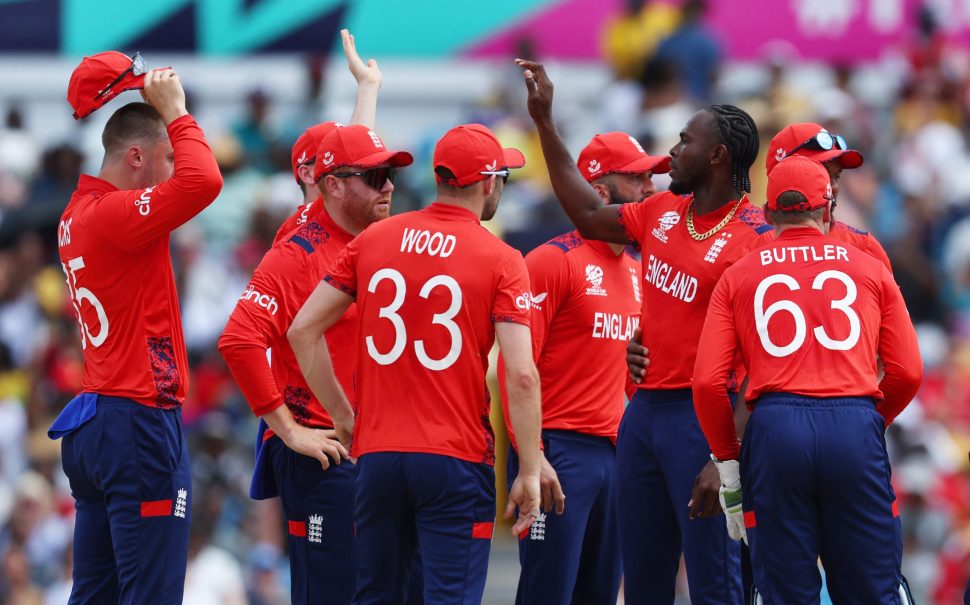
x=730 y=496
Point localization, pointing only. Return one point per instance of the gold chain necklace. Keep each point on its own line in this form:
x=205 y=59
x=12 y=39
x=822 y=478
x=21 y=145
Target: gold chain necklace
x=703 y=236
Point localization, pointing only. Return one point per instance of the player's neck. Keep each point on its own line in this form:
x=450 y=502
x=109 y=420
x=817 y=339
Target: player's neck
x=120 y=177
x=821 y=227
x=616 y=248
x=475 y=205
x=338 y=216
x=709 y=198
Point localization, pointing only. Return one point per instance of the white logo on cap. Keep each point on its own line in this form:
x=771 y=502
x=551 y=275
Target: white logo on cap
x=780 y=154
x=327 y=158
x=302 y=157
x=491 y=166
x=636 y=144
x=376 y=139
x=594 y=166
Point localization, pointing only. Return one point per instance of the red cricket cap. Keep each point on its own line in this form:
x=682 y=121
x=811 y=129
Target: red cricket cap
x=618 y=152
x=793 y=135
x=96 y=73
x=470 y=149
x=358 y=146
x=305 y=148
x=801 y=174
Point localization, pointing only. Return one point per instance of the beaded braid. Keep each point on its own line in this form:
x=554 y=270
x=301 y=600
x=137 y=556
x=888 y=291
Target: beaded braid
x=740 y=134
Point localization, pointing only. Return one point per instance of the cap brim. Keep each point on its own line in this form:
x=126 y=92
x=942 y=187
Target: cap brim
x=848 y=159
x=513 y=158
x=654 y=164
x=397 y=159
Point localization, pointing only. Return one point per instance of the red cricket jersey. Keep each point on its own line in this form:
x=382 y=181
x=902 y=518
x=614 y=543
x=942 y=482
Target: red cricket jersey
x=280 y=285
x=300 y=216
x=429 y=286
x=114 y=248
x=679 y=274
x=809 y=316
x=585 y=306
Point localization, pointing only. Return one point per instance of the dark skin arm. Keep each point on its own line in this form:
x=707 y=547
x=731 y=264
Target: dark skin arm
x=582 y=204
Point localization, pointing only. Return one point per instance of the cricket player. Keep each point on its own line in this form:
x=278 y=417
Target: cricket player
x=809 y=316
x=123 y=449
x=688 y=236
x=303 y=153
x=585 y=300
x=299 y=458
x=433 y=290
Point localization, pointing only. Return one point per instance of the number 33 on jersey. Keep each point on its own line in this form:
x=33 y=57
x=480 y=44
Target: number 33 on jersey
x=809 y=317
x=430 y=286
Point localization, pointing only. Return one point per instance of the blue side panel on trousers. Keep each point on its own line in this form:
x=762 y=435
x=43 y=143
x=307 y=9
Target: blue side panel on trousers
x=573 y=557
x=816 y=482
x=319 y=508
x=129 y=471
x=441 y=504
x=660 y=451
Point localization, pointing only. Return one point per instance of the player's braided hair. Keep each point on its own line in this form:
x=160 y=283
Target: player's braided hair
x=740 y=135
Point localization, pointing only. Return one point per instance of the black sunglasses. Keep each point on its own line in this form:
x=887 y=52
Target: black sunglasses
x=823 y=141
x=138 y=67
x=373 y=178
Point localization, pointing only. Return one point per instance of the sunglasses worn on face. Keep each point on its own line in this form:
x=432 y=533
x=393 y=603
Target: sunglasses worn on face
x=373 y=178
x=823 y=141
x=138 y=67
x=504 y=173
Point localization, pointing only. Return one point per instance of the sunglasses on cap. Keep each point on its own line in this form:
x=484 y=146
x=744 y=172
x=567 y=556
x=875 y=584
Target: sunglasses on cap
x=823 y=141
x=504 y=173
x=138 y=67
x=373 y=178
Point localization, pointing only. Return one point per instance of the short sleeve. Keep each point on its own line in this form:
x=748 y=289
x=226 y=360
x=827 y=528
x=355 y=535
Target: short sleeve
x=342 y=274
x=512 y=294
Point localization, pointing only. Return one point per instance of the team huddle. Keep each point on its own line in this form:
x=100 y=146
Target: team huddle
x=362 y=343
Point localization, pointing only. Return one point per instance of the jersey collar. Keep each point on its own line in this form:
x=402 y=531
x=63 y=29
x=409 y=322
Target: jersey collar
x=450 y=212
x=319 y=214
x=795 y=232
x=88 y=185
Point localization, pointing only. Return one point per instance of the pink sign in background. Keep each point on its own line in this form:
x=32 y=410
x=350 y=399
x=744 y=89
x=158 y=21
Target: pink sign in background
x=829 y=30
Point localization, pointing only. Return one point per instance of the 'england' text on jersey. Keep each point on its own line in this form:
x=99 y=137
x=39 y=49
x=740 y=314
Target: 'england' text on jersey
x=675 y=283
x=794 y=254
x=426 y=242
x=613 y=326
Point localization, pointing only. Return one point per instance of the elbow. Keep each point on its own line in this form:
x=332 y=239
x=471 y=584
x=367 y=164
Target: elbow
x=912 y=375
x=524 y=378
x=211 y=185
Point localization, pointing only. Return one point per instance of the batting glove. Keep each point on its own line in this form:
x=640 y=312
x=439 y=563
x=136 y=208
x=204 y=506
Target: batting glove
x=730 y=496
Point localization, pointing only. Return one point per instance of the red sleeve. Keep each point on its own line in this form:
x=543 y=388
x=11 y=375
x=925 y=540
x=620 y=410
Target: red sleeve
x=133 y=218
x=342 y=275
x=260 y=320
x=715 y=355
x=633 y=219
x=875 y=250
x=512 y=292
x=899 y=351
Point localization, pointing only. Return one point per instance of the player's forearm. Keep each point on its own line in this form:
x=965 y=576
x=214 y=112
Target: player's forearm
x=898 y=387
x=716 y=418
x=579 y=200
x=365 y=107
x=316 y=365
x=282 y=422
x=525 y=414
x=249 y=366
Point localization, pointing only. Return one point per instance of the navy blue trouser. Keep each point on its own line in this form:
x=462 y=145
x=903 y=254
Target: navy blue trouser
x=573 y=557
x=319 y=508
x=129 y=471
x=815 y=481
x=659 y=452
x=441 y=504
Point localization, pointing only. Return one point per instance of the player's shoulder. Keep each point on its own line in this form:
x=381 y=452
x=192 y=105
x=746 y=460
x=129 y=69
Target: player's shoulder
x=308 y=237
x=562 y=244
x=752 y=217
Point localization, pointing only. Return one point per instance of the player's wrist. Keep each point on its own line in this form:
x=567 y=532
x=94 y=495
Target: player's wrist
x=171 y=114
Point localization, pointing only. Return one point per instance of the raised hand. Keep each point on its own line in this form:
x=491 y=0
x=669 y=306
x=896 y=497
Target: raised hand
x=365 y=74
x=163 y=91
x=539 y=88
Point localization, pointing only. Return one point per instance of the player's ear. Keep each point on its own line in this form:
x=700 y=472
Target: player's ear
x=603 y=191
x=719 y=154
x=488 y=185
x=330 y=185
x=135 y=156
x=305 y=173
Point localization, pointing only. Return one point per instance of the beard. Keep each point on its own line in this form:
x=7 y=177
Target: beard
x=616 y=198
x=681 y=188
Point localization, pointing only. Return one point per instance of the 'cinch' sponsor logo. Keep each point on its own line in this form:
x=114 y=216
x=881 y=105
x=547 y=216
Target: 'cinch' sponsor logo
x=262 y=300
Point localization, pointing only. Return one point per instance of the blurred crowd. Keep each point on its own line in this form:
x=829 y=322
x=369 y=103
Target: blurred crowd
x=913 y=193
